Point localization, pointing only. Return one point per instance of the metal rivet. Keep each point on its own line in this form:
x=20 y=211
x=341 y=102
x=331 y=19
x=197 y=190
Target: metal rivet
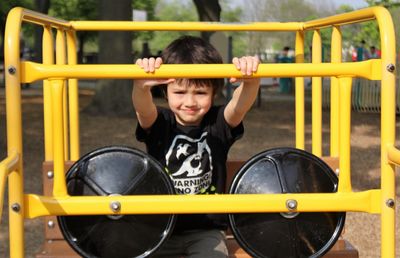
x=115 y=206
x=51 y=224
x=291 y=204
x=16 y=207
x=390 y=68
x=337 y=171
x=390 y=203
x=12 y=70
x=50 y=174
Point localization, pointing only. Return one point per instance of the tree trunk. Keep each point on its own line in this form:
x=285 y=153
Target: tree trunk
x=208 y=10
x=113 y=97
x=41 y=6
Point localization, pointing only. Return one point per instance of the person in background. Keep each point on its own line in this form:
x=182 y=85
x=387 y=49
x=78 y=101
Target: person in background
x=285 y=84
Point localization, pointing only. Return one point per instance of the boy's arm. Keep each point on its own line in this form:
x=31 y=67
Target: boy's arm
x=142 y=99
x=244 y=95
x=146 y=111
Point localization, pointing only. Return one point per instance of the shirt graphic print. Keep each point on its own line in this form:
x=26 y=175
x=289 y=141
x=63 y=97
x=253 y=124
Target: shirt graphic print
x=189 y=163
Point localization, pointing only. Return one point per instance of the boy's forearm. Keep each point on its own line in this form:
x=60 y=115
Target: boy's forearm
x=242 y=100
x=143 y=103
x=245 y=95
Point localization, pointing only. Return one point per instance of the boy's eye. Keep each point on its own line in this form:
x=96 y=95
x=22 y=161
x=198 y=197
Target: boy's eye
x=201 y=93
x=179 y=92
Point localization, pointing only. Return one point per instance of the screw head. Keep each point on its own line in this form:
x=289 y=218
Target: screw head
x=15 y=207
x=50 y=174
x=12 y=70
x=390 y=68
x=291 y=204
x=51 y=224
x=390 y=203
x=115 y=206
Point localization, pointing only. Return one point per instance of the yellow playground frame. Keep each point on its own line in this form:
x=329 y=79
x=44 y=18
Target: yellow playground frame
x=61 y=123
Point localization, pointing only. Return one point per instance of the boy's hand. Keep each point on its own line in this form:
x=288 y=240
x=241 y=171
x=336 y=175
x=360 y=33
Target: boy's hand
x=149 y=65
x=247 y=65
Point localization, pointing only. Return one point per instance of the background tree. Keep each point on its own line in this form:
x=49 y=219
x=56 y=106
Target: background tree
x=77 y=10
x=5 y=7
x=208 y=10
x=113 y=96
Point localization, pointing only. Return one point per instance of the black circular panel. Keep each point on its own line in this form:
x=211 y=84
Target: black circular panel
x=117 y=171
x=286 y=170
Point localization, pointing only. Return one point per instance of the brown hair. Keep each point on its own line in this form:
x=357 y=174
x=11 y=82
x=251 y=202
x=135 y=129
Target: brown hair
x=194 y=50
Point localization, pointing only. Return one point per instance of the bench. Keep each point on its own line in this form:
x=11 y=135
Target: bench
x=55 y=246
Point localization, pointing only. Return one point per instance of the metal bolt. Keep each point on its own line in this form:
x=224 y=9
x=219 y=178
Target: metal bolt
x=390 y=68
x=12 y=69
x=50 y=174
x=51 y=224
x=16 y=207
x=291 y=204
x=115 y=206
x=390 y=203
x=337 y=171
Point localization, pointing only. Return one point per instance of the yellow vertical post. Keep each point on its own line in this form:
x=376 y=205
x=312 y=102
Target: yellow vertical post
x=299 y=91
x=345 y=84
x=14 y=131
x=316 y=106
x=388 y=126
x=61 y=54
x=48 y=58
x=57 y=94
x=336 y=57
x=73 y=95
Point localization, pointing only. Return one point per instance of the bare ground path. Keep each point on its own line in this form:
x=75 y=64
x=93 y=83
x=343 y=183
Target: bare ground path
x=267 y=126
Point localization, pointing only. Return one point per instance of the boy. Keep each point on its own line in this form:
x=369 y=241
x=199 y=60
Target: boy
x=192 y=138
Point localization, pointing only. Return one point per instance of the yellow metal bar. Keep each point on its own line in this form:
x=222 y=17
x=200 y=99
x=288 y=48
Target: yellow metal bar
x=184 y=26
x=393 y=155
x=73 y=96
x=40 y=18
x=388 y=126
x=7 y=165
x=48 y=59
x=316 y=106
x=33 y=71
x=344 y=134
x=57 y=90
x=336 y=57
x=366 y=201
x=14 y=130
x=299 y=91
x=61 y=55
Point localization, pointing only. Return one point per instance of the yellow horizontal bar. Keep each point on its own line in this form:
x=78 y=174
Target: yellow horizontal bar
x=356 y=16
x=393 y=155
x=185 y=26
x=34 y=71
x=39 y=18
x=366 y=201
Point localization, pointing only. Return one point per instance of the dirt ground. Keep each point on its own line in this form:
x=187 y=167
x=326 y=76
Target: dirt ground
x=269 y=125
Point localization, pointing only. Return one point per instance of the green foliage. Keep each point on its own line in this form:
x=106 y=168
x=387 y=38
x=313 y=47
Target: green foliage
x=174 y=10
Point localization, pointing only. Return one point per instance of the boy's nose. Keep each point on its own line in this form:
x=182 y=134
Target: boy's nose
x=190 y=100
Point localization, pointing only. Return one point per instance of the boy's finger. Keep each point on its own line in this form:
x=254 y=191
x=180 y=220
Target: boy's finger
x=145 y=63
x=256 y=62
x=158 y=62
x=151 y=64
x=243 y=65
x=250 y=65
x=139 y=63
x=236 y=62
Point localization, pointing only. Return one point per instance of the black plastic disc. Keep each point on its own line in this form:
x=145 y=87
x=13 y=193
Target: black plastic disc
x=117 y=171
x=306 y=234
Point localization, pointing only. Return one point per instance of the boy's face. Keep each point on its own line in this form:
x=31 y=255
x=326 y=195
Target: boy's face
x=189 y=102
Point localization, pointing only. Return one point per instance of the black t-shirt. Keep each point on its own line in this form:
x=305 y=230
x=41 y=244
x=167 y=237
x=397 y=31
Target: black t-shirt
x=194 y=157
